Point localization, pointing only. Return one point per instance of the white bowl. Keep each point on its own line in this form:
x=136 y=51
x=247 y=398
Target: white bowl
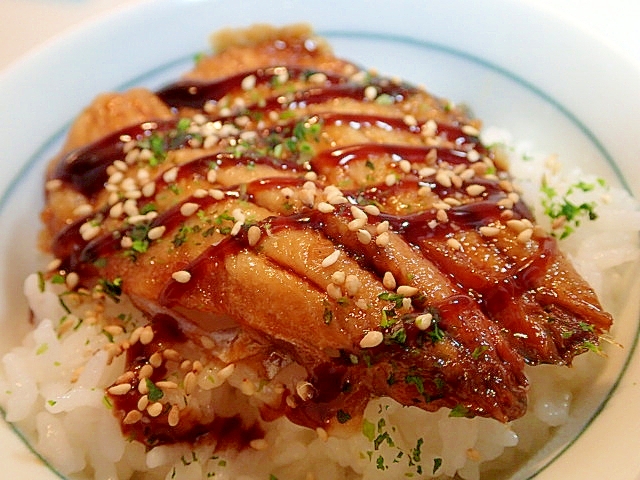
x=517 y=67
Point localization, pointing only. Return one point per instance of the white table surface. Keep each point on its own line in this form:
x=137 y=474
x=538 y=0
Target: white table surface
x=27 y=24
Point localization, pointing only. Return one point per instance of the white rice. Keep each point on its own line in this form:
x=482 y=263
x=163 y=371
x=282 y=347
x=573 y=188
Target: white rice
x=52 y=385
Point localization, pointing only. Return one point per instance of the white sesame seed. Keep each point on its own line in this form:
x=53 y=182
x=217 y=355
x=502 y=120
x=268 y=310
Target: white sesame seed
x=146 y=370
x=71 y=281
x=133 y=416
x=470 y=130
x=317 y=78
x=505 y=202
x=170 y=175
x=487 y=231
x=154 y=409
x=372 y=339
x=287 y=192
x=130 y=208
x=83 y=210
x=174 y=416
x=312 y=176
x=334 y=291
x=475 y=190
x=235 y=230
x=525 y=235
x=372 y=210
x=370 y=92
x=426 y=172
x=145 y=154
x=407 y=290
x=133 y=194
x=429 y=128
x=116 y=178
x=443 y=178
x=132 y=156
x=189 y=208
x=331 y=259
x=90 y=233
x=473 y=155
x=352 y=284
x=121 y=389
x=135 y=219
x=390 y=180
x=113 y=198
x=216 y=194
x=453 y=243
x=363 y=236
x=410 y=120
x=516 y=225
x=146 y=335
x=148 y=189
x=405 y=166
x=54 y=264
x=382 y=227
x=307 y=197
x=337 y=199
x=226 y=371
x=467 y=174
x=325 y=207
x=143 y=402
x=209 y=142
x=200 y=193
x=155 y=360
x=358 y=213
x=253 y=235
x=442 y=216
x=356 y=224
x=190 y=383
x=143 y=388
x=389 y=281
x=338 y=277
x=423 y=321
x=129 y=184
x=126 y=242
x=248 y=82
x=181 y=276
x=156 y=232
x=238 y=215
x=382 y=240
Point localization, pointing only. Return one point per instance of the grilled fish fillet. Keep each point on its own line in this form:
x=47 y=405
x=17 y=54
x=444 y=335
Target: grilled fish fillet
x=280 y=199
